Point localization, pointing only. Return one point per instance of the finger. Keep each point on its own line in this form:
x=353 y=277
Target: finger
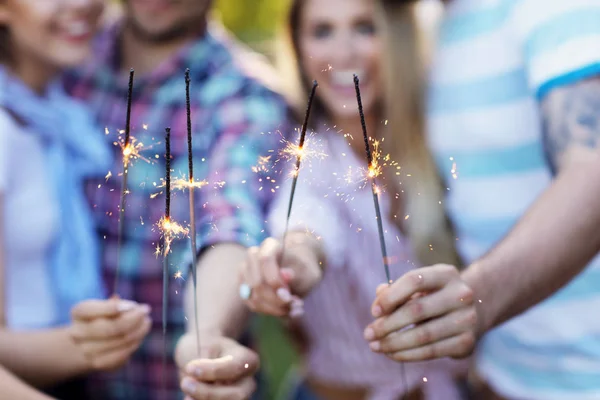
x=91 y=309
x=95 y=347
x=418 y=280
x=114 y=359
x=453 y=297
x=104 y=328
x=275 y=307
x=280 y=298
x=380 y=288
x=251 y=270
x=201 y=391
x=237 y=363
x=429 y=332
x=269 y=251
x=459 y=346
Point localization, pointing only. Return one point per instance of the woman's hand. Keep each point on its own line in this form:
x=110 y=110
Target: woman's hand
x=428 y=313
x=109 y=331
x=273 y=283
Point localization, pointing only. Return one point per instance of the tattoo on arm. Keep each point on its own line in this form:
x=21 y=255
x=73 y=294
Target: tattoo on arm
x=571 y=120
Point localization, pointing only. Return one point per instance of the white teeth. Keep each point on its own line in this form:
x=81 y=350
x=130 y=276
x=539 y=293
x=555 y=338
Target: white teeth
x=78 y=28
x=345 y=77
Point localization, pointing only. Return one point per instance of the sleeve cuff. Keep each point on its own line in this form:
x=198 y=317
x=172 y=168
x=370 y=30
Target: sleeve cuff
x=568 y=78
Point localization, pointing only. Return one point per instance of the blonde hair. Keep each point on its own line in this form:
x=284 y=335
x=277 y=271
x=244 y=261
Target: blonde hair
x=419 y=187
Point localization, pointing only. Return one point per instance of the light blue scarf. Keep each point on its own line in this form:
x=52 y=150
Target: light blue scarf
x=75 y=150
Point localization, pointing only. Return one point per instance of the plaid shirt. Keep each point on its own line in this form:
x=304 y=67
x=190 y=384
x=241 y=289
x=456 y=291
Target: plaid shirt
x=235 y=120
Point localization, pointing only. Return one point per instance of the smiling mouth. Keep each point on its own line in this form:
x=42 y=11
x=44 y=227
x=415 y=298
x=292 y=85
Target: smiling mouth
x=343 y=78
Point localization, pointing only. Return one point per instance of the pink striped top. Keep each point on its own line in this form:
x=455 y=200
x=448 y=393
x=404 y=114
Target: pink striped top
x=333 y=203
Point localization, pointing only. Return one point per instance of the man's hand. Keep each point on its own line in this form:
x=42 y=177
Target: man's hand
x=224 y=371
x=109 y=331
x=277 y=281
x=428 y=313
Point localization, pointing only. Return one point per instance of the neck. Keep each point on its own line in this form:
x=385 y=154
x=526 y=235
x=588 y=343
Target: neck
x=143 y=54
x=33 y=73
x=352 y=126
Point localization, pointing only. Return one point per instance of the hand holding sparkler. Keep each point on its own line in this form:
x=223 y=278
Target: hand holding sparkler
x=437 y=306
x=224 y=370
x=274 y=289
x=109 y=331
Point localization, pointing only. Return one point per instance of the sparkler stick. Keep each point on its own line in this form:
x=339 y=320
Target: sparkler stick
x=373 y=172
x=298 y=162
x=372 y=175
x=166 y=245
x=192 y=205
x=126 y=154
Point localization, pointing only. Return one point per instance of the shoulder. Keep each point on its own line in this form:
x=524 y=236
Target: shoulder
x=241 y=78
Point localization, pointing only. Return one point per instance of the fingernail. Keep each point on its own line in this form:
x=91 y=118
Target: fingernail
x=188 y=385
x=369 y=334
x=296 y=302
x=287 y=274
x=375 y=346
x=126 y=305
x=146 y=308
x=284 y=295
x=376 y=311
x=194 y=370
x=296 y=312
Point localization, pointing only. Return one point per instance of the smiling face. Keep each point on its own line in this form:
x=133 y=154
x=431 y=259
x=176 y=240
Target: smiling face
x=336 y=39
x=54 y=33
x=165 y=20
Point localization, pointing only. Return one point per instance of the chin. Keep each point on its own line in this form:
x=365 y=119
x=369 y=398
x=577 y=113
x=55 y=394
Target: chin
x=71 y=60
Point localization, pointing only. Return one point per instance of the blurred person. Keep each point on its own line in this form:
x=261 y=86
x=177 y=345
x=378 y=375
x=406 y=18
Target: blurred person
x=326 y=279
x=236 y=119
x=51 y=333
x=515 y=96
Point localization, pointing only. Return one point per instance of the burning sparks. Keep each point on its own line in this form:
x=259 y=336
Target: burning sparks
x=132 y=151
x=453 y=170
x=170 y=230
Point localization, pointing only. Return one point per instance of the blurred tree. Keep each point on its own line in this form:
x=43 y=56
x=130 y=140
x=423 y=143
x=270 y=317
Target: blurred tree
x=253 y=21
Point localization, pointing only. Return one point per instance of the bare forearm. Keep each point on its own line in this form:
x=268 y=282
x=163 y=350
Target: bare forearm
x=42 y=358
x=220 y=309
x=13 y=388
x=550 y=245
x=559 y=235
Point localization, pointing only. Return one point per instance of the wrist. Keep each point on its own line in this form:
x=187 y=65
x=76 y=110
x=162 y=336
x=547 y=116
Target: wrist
x=473 y=276
x=81 y=363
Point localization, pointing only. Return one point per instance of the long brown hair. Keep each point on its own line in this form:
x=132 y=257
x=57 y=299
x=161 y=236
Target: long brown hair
x=418 y=185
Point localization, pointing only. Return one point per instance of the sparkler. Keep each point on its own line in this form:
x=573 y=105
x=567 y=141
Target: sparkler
x=374 y=171
x=166 y=247
x=299 y=154
x=169 y=230
x=127 y=153
x=192 y=205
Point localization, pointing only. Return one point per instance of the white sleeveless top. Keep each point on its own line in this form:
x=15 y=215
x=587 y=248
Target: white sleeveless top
x=29 y=221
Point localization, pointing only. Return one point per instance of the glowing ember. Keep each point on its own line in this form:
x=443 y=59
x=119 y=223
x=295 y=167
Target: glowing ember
x=170 y=230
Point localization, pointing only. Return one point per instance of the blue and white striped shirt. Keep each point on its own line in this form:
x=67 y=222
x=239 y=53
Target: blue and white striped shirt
x=496 y=59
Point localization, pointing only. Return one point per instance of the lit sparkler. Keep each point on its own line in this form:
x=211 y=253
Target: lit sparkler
x=192 y=186
x=374 y=171
x=127 y=150
x=299 y=153
x=169 y=230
